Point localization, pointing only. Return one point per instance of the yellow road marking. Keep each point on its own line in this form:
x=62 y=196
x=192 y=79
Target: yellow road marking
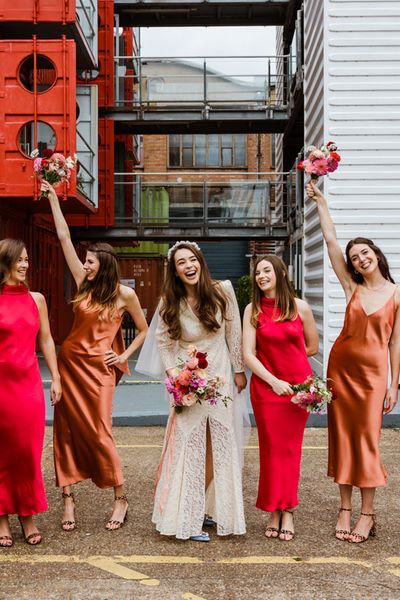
x=246 y=447
x=50 y=445
x=111 y=566
x=139 y=445
x=159 y=560
x=395 y=560
x=189 y=596
x=291 y=560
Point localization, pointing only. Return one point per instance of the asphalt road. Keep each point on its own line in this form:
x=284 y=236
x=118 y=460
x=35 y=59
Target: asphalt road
x=136 y=563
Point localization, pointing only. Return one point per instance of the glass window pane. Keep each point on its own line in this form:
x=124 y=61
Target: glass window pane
x=174 y=159
x=240 y=150
x=187 y=141
x=227 y=140
x=200 y=140
x=187 y=156
x=227 y=158
x=213 y=150
x=174 y=140
x=200 y=156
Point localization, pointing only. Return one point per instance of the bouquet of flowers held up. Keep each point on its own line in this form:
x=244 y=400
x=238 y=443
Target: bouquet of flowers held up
x=52 y=167
x=319 y=162
x=313 y=395
x=189 y=383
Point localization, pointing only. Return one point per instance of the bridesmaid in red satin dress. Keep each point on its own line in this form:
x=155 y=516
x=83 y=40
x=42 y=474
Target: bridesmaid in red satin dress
x=23 y=318
x=91 y=361
x=358 y=368
x=279 y=333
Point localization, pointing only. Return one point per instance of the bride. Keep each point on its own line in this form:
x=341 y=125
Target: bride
x=199 y=475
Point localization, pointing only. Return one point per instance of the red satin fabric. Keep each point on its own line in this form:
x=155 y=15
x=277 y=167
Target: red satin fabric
x=22 y=407
x=84 y=446
x=358 y=368
x=281 y=349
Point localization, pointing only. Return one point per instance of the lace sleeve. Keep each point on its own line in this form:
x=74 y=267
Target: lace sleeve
x=166 y=345
x=233 y=329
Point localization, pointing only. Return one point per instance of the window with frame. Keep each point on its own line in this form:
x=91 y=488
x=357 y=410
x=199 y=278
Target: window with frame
x=224 y=150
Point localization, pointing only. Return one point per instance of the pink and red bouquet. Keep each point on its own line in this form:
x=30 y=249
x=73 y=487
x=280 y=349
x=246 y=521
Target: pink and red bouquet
x=313 y=395
x=189 y=383
x=52 y=167
x=319 y=162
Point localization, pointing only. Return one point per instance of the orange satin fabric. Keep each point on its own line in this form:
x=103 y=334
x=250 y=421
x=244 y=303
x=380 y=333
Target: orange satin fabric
x=358 y=368
x=84 y=446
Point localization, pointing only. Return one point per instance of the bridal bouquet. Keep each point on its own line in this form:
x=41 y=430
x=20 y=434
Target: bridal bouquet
x=313 y=395
x=52 y=167
x=320 y=161
x=189 y=383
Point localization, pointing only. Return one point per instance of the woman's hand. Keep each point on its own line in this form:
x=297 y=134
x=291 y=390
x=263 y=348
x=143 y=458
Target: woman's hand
x=240 y=381
x=112 y=358
x=47 y=188
x=55 y=391
x=282 y=388
x=313 y=193
x=390 y=400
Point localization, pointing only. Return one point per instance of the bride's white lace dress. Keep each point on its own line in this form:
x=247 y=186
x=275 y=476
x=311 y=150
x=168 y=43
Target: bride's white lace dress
x=180 y=499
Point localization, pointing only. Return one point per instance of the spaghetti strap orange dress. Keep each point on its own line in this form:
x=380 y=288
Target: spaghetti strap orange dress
x=84 y=446
x=358 y=369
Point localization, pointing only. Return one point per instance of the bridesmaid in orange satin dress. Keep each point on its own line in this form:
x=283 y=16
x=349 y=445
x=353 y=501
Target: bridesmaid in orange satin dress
x=91 y=361
x=358 y=368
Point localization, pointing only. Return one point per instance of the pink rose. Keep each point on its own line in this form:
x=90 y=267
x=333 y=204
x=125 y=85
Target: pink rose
x=192 y=364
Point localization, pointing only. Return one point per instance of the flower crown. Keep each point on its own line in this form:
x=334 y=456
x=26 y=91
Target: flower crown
x=177 y=244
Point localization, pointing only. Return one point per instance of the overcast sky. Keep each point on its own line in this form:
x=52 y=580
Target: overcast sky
x=207 y=41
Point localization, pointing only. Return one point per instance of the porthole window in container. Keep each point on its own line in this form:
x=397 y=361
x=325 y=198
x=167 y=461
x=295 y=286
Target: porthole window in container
x=46 y=75
x=45 y=137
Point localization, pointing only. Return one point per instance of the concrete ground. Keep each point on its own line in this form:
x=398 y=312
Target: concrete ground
x=136 y=563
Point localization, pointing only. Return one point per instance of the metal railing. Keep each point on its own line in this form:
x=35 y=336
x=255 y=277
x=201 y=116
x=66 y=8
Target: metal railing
x=88 y=19
x=218 y=199
x=213 y=82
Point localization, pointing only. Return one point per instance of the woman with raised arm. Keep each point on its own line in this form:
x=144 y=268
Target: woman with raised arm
x=91 y=361
x=199 y=478
x=279 y=333
x=23 y=319
x=358 y=368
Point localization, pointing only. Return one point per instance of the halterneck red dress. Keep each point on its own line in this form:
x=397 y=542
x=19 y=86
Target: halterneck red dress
x=281 y=348
x=22 y=406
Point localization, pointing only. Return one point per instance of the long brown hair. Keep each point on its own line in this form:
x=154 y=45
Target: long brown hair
x=10 y=251
x=382 y=260
x=285 y=298
x=211 y=296
x=102 y=292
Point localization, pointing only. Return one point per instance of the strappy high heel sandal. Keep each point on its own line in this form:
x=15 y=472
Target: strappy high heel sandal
x=68 y=525
x=6 y=541
x=287 y=532
x=363 y=538
x=342 y=532
x=118 y=524
x=28 y=538
x=272 y=530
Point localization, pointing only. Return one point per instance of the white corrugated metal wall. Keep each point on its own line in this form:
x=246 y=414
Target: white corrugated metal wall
x=352 y=95
x=314 y=284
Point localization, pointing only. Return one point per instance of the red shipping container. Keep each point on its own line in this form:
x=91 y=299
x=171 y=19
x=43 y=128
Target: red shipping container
x=37 y=109
x=38 y=11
